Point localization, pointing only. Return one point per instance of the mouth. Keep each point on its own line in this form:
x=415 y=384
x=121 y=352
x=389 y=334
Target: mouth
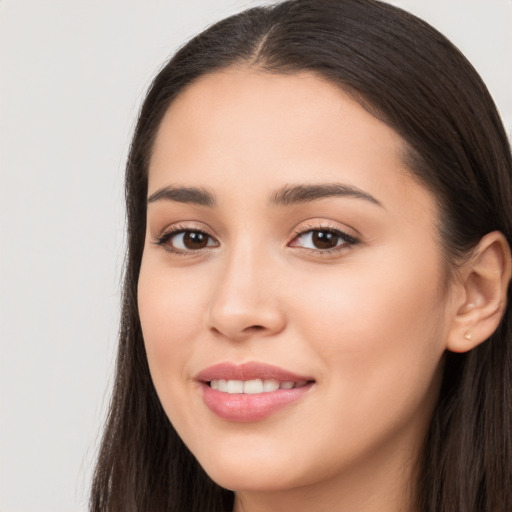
x=251 y=391
x=254 y=386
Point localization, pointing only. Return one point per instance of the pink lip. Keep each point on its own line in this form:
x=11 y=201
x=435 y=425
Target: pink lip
x=248 y=371
x=249 y=407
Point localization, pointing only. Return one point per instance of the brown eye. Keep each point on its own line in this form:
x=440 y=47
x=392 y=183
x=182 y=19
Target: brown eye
x=323 y=239
x=186 y=241
x=195 y=240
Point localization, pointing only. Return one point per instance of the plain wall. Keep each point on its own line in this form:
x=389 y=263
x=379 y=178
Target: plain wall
x=72 y=76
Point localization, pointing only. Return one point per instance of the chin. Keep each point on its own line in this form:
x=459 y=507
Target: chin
x=251 y=479
x=251 y=472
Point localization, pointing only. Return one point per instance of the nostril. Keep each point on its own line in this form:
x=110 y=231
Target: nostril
x=254 y=328
x=246 y=330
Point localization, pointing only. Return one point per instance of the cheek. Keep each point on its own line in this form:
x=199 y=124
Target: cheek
x=170 y=314
x=380 y=332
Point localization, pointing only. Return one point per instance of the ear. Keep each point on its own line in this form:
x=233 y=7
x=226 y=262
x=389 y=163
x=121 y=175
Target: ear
x=481 y=293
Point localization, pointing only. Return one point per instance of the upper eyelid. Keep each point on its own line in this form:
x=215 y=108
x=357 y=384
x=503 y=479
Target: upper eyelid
x=349 y=239
x=173 y=229
x=301 y=230
x=163 y=240
x=177 y=231
x=325 y=226
x=181 y=227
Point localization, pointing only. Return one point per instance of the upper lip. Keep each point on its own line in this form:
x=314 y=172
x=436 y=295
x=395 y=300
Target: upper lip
x=248 y=371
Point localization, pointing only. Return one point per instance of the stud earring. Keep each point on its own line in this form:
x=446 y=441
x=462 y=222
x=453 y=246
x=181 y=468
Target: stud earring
x=468 y=335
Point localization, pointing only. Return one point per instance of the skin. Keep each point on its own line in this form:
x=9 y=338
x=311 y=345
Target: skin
x=369 y=321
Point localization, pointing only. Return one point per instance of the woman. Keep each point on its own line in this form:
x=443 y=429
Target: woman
x=316 y=306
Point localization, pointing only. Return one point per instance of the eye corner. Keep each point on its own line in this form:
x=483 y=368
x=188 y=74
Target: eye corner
x=322 y=239
x=187 y=237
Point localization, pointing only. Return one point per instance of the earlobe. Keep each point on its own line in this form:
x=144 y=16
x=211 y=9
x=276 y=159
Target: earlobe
x=483 y=283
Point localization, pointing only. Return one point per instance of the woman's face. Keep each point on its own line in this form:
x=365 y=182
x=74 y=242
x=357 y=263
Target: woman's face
x=288 y=247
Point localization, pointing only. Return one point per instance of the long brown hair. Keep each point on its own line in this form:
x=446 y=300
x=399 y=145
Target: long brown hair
x=415 y=80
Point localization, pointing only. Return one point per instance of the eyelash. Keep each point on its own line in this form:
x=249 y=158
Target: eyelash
x=347 y=240
x=163 y=239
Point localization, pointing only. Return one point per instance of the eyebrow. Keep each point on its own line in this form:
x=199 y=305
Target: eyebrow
x=296 y=194
x=189 y=195
x=285 y=196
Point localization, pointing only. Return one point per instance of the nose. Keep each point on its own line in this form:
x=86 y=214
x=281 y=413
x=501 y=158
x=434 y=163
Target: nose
x=246 y=301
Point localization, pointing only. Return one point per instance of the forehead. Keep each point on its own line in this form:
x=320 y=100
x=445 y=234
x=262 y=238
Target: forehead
x=262 y=131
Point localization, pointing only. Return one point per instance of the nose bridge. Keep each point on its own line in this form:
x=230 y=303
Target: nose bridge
x=244 y=299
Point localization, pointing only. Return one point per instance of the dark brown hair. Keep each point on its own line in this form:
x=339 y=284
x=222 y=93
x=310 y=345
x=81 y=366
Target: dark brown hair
x=414 y=79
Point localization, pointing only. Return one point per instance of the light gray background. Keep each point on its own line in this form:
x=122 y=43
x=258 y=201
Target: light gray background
x=72 y=76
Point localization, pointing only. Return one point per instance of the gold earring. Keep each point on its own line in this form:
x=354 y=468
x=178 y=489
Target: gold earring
x=468 y=335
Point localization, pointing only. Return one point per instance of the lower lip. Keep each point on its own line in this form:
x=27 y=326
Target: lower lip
x=246 y=407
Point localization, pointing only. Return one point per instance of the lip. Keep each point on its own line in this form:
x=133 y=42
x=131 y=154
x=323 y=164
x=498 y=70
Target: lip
x=248 y=371
x=249 y=407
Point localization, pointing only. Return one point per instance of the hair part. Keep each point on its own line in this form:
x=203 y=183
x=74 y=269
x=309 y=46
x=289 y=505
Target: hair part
x=410 y=76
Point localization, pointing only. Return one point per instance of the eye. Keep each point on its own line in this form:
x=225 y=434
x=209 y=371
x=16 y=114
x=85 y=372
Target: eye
x=186 y=240
x=323 y=239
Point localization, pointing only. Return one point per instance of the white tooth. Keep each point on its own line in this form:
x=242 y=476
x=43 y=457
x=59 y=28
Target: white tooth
x=252 y=387
x=270 y=385
x=222 y=385
x=235 y=386
x=214 y=384
x=287 y=385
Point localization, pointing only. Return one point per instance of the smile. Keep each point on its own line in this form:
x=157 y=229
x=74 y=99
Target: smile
x=251 y=391
x=253 y=386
